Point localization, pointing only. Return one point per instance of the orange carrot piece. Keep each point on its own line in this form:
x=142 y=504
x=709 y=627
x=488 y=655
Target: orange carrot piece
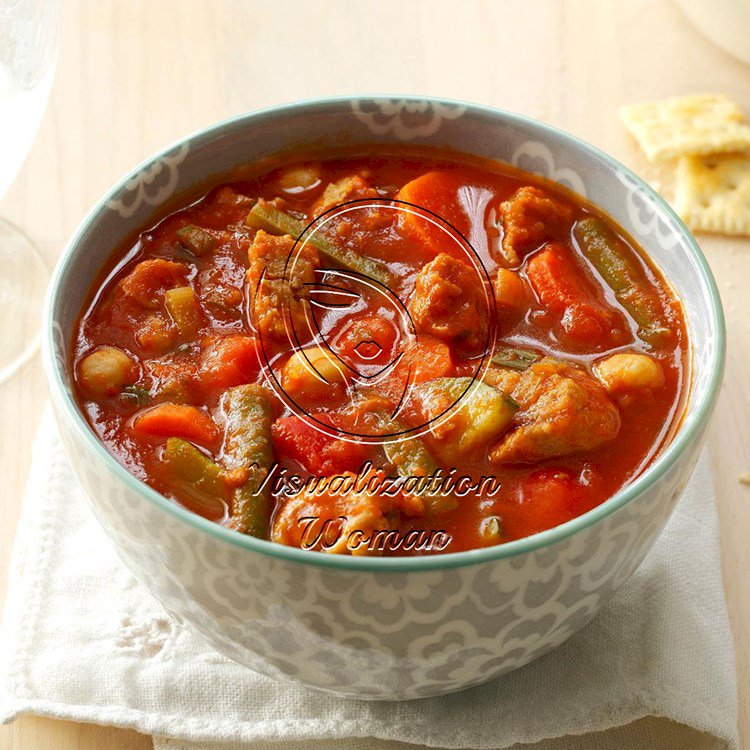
x=566 y=293
x=229 y=361
x=178 y=420
x=437 y=192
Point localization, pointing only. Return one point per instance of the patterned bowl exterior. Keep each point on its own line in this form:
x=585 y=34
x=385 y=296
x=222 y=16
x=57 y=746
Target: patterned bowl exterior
x=383 y=629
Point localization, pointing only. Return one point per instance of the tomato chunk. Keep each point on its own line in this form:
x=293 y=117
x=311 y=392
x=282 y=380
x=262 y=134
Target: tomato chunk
x=545 y=499
x=319 y=453
x=178 y=420
x=367 y=339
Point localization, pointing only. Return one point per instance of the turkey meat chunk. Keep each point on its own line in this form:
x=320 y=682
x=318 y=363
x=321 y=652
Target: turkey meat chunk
x=563 y=411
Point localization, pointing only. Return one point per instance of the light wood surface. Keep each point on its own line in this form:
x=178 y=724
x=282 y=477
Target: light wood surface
x=134 y=75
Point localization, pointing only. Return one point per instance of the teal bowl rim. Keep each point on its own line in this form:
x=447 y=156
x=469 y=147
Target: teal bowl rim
x=687 y=432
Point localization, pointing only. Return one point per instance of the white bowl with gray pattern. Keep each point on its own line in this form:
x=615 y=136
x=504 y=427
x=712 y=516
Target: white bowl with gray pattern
x=368 y=627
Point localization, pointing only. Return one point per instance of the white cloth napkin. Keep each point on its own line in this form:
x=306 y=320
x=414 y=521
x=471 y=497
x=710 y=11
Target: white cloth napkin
x=81 y=640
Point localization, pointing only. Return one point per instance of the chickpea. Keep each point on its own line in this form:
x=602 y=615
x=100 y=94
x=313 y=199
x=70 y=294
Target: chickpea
x=628 y=372
x=105 y=371
x=298 y=178
x=312 y=372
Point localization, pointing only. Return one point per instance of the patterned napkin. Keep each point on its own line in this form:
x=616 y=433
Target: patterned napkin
x=81 y=640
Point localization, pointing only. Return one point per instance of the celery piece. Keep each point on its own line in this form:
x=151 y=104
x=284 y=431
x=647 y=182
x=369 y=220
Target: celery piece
x=483 y=413
x=184 y=309
x=410 y=457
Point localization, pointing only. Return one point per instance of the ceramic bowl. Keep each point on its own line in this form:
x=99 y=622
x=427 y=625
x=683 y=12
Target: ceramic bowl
x=369 y=627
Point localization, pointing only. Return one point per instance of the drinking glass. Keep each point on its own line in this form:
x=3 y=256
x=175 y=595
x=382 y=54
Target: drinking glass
x=28 y=53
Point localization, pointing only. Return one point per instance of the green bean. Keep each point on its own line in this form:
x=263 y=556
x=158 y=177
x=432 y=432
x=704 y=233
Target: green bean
x=247 y=444
x=515 y=359
x=264 y=215
x=612 y=259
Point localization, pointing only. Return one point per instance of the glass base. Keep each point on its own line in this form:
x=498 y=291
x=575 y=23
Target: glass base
x=23 y=281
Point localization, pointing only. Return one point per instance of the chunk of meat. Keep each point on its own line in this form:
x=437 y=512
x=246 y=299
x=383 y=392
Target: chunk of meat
x=156 y=335
x=346 y=189
x=275 y=300
x=563 y=410
x=503 y=378
x=449 y=303
x=148 y=281
x=531 y=217
x=173 y=381
x=313 y=519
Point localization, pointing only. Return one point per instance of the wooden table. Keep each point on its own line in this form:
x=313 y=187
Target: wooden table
x=135 y=75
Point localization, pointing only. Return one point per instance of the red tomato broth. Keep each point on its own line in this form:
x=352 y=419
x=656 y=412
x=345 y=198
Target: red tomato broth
x=534 y=496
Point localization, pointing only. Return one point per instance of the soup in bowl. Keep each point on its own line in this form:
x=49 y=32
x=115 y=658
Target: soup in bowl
x=383 y=397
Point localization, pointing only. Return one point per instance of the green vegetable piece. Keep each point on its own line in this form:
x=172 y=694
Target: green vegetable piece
x=411 y=458
x=611 y=258
x=264 y=215
x=483 y=415
x=182 y=305
x=247 y=444
x=195 y=239
x=196 y=474
x=135 y=394
x=515 y=359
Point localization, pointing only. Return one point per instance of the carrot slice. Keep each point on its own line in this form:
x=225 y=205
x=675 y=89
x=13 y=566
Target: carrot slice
x=178 y=420
x=229 y=361
x=566 y=292
x=437 y=192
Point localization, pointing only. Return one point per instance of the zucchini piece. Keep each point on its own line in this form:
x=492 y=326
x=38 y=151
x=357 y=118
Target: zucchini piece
x=195 y=239
x=484 y=414
x=264 y=215
x=611 y=258
x=184 y=309
x=196 y=475
x=515 y=359
x=247 y=444
x=412 y=458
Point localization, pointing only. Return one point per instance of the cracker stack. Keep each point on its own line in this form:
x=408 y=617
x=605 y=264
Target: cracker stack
x=708 y=136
